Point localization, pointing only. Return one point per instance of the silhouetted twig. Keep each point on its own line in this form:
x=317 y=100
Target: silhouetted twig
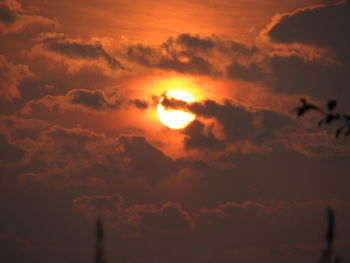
x=328 y=116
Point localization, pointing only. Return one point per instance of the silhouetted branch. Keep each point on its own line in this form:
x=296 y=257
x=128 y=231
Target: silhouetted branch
x=328 y=116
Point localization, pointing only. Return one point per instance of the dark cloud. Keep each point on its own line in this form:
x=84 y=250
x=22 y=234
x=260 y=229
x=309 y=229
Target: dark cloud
x=179 y=55
x=142 y=54
x=199 y=44
x=269 y=124
x=9 y=153
x=294 y=75
x=76 y=157
x=22 y=128
x=324 y=76
x=236 y=211
x=14 y=18
x=145 y=160
x=139 y=103
x=244 y=131
x=187 y=64
x=252 y=72
x=95 y=99
x=198 y=138
x=72 y=157
x=171 y=103
x=75 y=52
x=195 y=42
x=272 y=120
x=36 y=88
x=72 y=49
x=11 y=76
x=100 y=206
x=303 y=224
x=326 y=26
x=259 y=217
x=136 y=220
x=226 y=231
x=170 y=219
x=6 y=14
x=83 y=99
x=237 y=123
x=194 y=54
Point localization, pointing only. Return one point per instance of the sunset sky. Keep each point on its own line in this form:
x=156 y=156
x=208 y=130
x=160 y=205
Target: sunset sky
x=247 y=181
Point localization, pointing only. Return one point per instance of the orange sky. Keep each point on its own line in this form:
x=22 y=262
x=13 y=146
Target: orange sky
x=247 y=181
x=154 y=21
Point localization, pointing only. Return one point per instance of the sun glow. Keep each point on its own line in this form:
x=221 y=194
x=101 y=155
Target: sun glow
x=175 y=119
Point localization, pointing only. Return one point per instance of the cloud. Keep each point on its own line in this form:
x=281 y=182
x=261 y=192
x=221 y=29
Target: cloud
x=195 y=43
x=254 y=222
x=311 y=51
x=323 y=25
x=72 y=157
x=193 y=54
x=200 y=44
x=11 y=76
x=227 y=114
x=247 y=210
x=145 y=160
x=169 y=219
x=229 y=226
x=139 y=103
x=237 y=123
x=137 y=220
x=76 y=53
x=294 y=75
x=166 y=57
x=22 y=128
x=62 y=157
x=198 y=138
x=14 y=18
x=243 y=129
x=83 y=99
x=319 y=144
x=6 y=14
x=106 y=206
x=237 y=130
x=10 y=153
x=187 y=64
x=94 y=99
x=90 y=102
x=253 y=72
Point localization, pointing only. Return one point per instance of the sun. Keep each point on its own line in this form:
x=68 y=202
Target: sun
x=175 y=119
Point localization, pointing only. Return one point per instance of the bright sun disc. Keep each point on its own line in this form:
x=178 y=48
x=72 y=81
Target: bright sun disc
x=175 y=119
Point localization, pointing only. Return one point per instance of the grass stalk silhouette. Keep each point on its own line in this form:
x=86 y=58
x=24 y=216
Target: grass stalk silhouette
x=100 y=249
x=327 y=255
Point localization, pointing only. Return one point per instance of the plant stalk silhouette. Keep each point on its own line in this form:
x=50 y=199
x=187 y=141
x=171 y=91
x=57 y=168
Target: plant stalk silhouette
x=327 y=254
x=100 y=249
